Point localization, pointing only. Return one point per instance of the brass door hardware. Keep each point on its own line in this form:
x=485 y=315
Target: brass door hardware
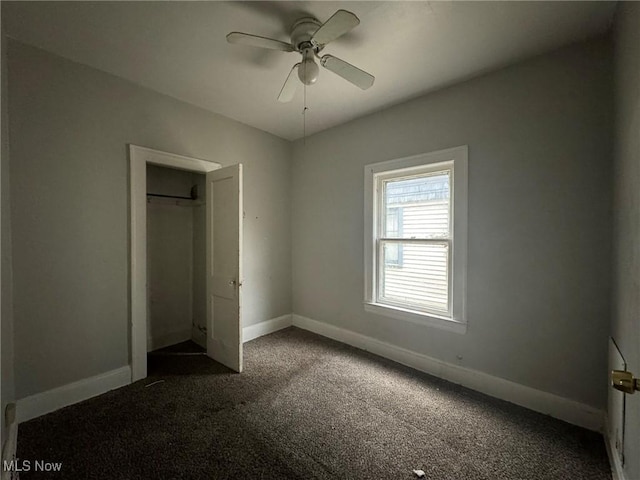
x=624 y=381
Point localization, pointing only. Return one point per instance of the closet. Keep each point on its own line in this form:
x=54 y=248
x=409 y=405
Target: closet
x=176 y=268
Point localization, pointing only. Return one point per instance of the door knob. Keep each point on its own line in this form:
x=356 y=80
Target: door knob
x=624 y=381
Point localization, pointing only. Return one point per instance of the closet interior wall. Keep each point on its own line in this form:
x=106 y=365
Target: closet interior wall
x=175 y=258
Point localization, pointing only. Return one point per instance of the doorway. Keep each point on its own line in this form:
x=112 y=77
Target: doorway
x=222 y=203
x=176 y=266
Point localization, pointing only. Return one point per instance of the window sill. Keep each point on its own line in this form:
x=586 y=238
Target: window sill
x=416 y=317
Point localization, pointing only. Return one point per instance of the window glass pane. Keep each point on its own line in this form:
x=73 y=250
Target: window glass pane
x=394 y=255
x=417 y=207
x=420 y=280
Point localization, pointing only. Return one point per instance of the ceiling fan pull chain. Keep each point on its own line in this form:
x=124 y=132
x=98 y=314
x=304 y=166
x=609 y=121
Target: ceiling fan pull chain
x=304 y=115
x=304 y=125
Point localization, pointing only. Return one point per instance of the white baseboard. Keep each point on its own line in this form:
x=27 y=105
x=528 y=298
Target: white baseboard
x=168 y=339
x=550 y=404
x=51 y=400
x=617 y=471
x=265 y=328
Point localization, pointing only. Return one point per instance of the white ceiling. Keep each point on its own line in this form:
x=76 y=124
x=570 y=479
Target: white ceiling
x=179 y=49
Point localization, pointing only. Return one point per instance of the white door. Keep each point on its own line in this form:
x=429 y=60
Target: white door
x=615 y=404
x=224 y=266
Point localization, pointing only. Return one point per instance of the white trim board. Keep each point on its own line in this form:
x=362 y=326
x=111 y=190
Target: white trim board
x=51 y=400
x=171 y=160
x=547 y=403
x=617 y=470
x=265 y=328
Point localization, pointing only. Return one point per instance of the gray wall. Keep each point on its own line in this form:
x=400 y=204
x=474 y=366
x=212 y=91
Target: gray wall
x=626 y=297
x=6 y=313
x=539 y=219
x=70 y=126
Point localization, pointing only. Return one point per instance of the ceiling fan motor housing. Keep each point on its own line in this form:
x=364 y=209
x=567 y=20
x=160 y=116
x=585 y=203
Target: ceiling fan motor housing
x=302 y=32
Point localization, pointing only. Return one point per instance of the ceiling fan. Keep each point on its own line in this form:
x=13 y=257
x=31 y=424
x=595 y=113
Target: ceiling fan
x=308 y=38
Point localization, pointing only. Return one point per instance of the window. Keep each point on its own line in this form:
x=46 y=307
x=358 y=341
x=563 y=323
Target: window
x=415 y=240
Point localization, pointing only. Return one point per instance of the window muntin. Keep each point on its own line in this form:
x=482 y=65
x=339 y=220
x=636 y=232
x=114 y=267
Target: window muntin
x=413 y=239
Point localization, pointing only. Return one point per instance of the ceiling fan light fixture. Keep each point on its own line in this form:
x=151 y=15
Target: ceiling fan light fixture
x=308 y=71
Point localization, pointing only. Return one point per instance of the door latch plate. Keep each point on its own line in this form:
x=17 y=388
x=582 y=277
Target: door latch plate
x=624 y=381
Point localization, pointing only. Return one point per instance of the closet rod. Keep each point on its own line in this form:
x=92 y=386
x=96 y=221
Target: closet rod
x=169 y=196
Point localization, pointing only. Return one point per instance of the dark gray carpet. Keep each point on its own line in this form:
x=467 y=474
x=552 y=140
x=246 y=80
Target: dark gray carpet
x=305 y=408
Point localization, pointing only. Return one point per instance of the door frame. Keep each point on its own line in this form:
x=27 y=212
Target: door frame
x=139 y=157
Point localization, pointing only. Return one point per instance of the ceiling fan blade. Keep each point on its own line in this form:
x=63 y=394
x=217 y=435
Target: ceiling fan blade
x=257 y=41
x=339 y=24
x=352 y=74
x=289 y=87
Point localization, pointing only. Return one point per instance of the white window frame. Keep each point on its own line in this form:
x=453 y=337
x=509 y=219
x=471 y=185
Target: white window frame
x=455 y=159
